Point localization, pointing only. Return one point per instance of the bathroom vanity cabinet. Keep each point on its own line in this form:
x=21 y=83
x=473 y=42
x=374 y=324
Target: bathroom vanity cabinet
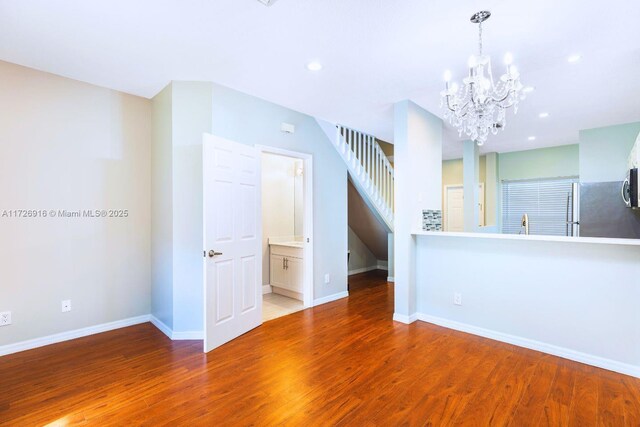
x=287 y=269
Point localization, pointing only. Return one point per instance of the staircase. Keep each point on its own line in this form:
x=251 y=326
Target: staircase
x=370 y=170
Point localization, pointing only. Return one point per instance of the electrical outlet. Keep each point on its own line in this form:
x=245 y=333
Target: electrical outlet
x=66 y=305
x=457 y=298
x=327 y=279
x=5 y=318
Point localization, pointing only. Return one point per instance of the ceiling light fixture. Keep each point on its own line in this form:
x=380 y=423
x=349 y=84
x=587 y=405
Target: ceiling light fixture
x=574 y=58
x=543 y=115
x=267 y=2
x=314 y=66
x=479 y=107
x=532 y=138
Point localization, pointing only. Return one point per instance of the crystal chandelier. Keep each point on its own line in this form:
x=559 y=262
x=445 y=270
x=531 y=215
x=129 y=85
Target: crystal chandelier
x=479 y=107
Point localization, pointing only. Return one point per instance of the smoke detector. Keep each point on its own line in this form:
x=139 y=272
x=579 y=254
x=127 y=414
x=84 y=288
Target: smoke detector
x=267 y=2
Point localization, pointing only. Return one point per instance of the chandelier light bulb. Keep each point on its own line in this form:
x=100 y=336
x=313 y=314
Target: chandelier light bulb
x=508 y=58
x=479 y=108
x=447 y=76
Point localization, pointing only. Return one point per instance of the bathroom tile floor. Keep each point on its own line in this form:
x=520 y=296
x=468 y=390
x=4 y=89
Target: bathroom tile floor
x=275 y=305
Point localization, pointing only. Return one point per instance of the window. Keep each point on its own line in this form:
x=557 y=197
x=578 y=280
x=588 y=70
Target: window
x=545 y=201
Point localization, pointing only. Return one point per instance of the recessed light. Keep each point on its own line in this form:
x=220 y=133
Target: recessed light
x=543 y=115
x=528 y=89
x=574 y=58
x=314 y=66
x=532 y=138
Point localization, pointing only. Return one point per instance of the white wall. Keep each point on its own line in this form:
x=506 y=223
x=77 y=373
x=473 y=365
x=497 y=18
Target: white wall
x=69 y=145
x=575 y=296
x=298 y=198
x=278 y=203
x=360 y=258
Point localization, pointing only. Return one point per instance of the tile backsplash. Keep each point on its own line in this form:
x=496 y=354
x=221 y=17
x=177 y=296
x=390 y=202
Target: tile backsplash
x=432 y=220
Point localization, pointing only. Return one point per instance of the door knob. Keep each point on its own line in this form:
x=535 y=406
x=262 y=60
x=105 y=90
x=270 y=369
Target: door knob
x=213 y=253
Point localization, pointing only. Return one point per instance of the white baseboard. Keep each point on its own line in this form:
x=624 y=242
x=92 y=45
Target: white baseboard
x=330 y=298
x=362 y=270
x=70 y=335
x=175 y=336
x=403 y=318
x=365 y=269
x=383 y=265
x=589 y=359
x=266 y=289
x=391 y=279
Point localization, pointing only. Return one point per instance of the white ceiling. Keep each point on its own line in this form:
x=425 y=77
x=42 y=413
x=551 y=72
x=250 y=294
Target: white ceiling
x=374 y=53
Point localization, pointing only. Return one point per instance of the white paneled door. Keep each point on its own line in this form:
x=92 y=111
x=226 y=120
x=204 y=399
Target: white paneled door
x=454 y=207
x=232 y=240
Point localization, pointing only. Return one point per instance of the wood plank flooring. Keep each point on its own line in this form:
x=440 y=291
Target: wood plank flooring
x=341 y=364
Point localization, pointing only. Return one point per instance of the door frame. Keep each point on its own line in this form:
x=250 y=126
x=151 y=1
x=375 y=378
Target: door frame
x=307 y=226
x=445 y=205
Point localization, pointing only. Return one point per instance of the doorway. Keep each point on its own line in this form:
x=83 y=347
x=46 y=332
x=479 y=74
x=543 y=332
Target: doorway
x=454 y=207
x=287 y=259
x=233 y=238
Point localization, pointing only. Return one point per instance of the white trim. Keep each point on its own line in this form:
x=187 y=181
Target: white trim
x=266 y=289
x=175 y=336
x=391 y=279
x=160 y=325
x=188 y=336
x=362 y=270
x=403 y=318
x=70 y=335
x=383 y=265
x=307 y=231
x=370 y=268
x=589 y=359
x=330 y=298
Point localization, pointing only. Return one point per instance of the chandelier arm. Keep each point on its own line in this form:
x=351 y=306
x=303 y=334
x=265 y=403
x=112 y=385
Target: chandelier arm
x=498 y=100
x=449 y=104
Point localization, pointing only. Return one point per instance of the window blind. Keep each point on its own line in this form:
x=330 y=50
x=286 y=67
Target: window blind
x=544 y=201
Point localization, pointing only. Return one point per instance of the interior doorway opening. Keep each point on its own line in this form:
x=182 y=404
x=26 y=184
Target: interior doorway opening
x=287 y=260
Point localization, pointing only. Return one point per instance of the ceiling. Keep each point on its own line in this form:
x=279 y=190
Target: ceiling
x=374 y=53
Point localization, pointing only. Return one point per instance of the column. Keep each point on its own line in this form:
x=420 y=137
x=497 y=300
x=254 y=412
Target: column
x=471 y=180
x=418 y=186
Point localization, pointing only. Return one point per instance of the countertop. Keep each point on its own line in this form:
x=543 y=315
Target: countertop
x=564 y=239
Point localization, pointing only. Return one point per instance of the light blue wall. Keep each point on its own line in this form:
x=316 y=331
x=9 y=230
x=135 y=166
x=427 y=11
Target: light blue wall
x=161 y=209
x=198 y=108
x=192 y=109
x=553 y=162
x=604 y=152
x=250 y=120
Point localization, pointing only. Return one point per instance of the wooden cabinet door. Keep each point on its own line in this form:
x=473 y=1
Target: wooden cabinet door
x=278 y=276
x=295 y=274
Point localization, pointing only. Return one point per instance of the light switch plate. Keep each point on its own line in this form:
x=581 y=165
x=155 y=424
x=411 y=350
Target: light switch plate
x=5 y=318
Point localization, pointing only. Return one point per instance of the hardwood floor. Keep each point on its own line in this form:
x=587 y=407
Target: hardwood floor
x=345 y=363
